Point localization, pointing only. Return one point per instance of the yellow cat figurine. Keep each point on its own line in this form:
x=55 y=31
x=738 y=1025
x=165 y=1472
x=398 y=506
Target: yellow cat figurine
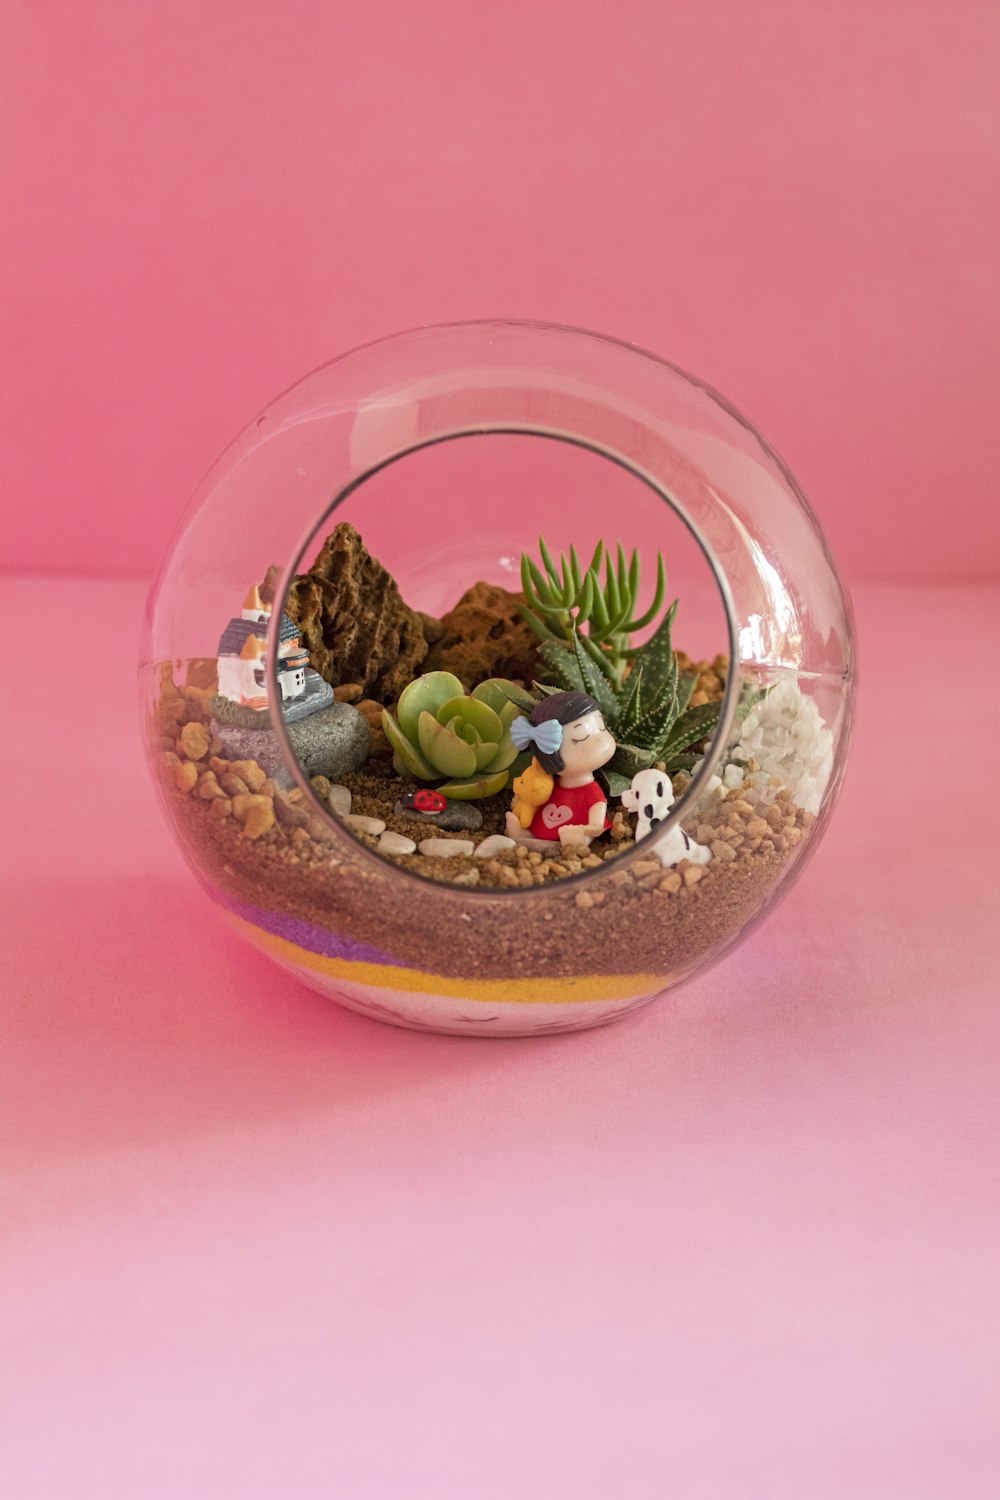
x=532 y=789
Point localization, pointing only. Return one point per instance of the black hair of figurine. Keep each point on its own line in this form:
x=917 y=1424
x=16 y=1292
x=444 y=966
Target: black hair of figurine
x=565 y=708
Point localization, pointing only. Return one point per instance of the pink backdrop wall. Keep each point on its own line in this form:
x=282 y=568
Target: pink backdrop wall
x=204 y=201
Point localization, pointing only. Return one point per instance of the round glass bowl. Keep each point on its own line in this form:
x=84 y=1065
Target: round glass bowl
x=428 y=443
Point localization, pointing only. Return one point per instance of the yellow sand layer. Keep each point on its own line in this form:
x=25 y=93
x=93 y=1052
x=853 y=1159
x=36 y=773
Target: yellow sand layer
x=583 y=987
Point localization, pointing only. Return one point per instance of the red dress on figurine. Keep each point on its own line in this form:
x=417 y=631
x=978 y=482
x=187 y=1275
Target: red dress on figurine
x=568 y=804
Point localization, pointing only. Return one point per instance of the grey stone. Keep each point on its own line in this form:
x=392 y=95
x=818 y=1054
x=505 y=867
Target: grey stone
x=457 y=817
x=331 y=742
x=318 y=695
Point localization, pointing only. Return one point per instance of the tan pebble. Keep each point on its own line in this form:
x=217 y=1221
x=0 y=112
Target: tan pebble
x=243 y=804
x=446 y=848
x=320 y=830
x=186 y=776
x=773 y=815
x=599 y=897
x=592 y=862
x=289 y=814
x=296 y=794
x=646 y=867
x=780 y=842
x=300 y=836
x=620 y=877
x=520 y=852
x=260 y=819
x=348 y=692
x=208 y=787
x=555 y=868
x=671 y=882
x=321 y=786
x=692 y=874
x=723 y=851
x=508 y=875
x=496 y=843
x=468 y=877
x=584 y=898
x=396 y=843
x=618 y=831
x=222 y=807
x=340 y=800
x=360 y=824
x=705 y=833
x=757 y=828
x=168 y=760
x=250 y=772
x=534 y=858
x=194 y=741
x=525 y=878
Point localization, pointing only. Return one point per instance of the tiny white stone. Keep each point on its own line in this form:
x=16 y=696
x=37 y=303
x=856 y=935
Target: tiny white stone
x=396 y=843
x=495 y=844
x=446 y=848
x=340 y=800
x=364 y=825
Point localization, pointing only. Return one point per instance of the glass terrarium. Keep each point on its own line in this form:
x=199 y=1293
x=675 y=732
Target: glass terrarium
x=498 y=679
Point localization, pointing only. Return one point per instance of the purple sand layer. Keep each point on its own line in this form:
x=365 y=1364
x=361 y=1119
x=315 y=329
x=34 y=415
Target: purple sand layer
x=317 y=940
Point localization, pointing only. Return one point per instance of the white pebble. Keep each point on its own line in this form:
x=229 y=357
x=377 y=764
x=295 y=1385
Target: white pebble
x=396 y=843
x=495 y=844
x=340 y=800
x=446 y=848
x=364 y=825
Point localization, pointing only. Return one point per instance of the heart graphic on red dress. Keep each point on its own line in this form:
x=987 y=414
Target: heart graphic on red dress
x=554 y=813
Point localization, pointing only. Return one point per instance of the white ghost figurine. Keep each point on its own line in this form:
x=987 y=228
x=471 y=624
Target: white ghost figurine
x=652 y=796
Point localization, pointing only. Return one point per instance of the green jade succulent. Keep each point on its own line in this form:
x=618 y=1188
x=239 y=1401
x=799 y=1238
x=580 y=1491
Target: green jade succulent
x=440 y=733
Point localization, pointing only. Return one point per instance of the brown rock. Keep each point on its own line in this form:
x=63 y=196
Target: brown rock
x=484 y=636
x=354 y=622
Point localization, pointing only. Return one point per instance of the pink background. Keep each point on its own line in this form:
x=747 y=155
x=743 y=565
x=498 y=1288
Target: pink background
x=744 y=1245
x=797 y=202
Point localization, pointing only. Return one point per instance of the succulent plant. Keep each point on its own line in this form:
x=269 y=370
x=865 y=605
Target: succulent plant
x=650 y=716
x=566 y=597
x=441 y=733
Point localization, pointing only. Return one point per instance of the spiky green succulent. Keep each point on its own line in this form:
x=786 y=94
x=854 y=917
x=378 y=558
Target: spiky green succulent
x=567 y=602
x=651 y=716
x=442 y=734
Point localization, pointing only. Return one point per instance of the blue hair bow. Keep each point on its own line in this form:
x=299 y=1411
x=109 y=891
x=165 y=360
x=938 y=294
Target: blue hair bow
x=546 y=736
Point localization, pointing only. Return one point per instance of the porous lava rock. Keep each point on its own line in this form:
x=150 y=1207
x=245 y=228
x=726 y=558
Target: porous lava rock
x=484 y=636
x=353 y=620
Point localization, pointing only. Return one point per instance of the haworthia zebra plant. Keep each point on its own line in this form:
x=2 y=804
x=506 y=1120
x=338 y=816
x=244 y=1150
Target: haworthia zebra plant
x=651 y=716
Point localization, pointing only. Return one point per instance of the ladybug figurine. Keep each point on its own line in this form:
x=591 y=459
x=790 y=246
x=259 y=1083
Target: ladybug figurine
x=425 y=800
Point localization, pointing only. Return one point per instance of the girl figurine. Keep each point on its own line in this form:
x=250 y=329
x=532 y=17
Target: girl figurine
x=570 y=741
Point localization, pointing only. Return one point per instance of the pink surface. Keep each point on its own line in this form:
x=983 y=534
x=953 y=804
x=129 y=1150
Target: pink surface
x=744 y=1244
x=799 y=203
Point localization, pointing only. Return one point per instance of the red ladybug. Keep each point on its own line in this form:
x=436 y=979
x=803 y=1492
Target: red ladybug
x=425 y=800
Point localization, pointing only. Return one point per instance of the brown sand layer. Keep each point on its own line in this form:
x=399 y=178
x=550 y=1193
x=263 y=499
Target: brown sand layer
x=518 y=915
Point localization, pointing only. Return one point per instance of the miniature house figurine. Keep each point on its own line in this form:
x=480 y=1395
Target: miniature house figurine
x=293 y=661
x=243 y=652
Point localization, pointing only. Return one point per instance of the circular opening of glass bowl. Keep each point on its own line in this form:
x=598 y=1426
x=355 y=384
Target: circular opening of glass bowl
x=443 y=527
